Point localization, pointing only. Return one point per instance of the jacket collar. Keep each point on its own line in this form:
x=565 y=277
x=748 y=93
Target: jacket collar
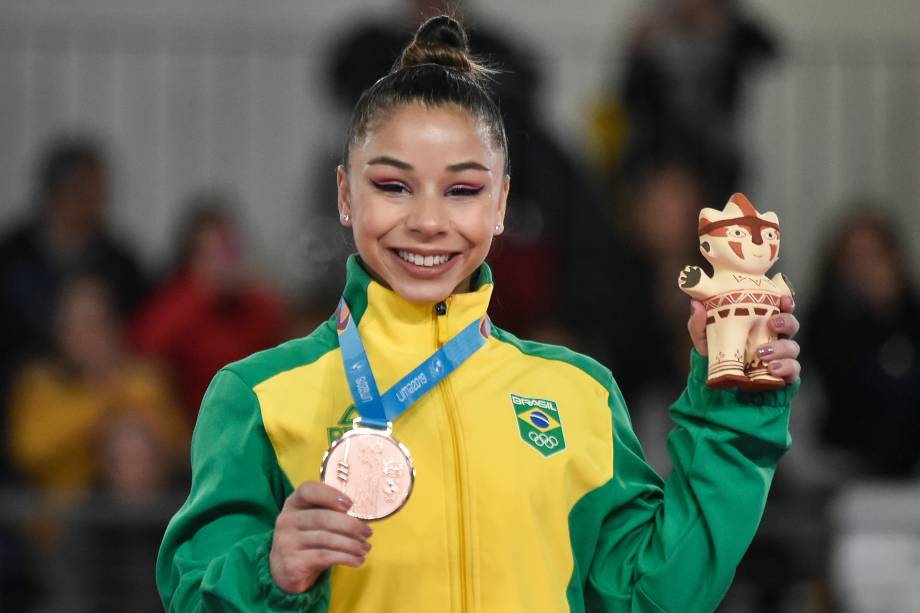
x=399 y=320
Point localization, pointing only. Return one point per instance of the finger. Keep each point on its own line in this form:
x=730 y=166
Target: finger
x=786 y=369
x=324 y=558
x=778 y=350
x=312 y=494
x=787 y=304
x=696 y=326
x=330 y=521
x=784 y=324
x=320 y=539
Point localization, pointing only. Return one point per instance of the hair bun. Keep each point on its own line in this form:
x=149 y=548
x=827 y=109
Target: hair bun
x=441 y=40
x=445 y=31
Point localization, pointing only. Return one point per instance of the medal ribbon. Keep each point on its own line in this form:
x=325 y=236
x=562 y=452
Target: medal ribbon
x=378 y=409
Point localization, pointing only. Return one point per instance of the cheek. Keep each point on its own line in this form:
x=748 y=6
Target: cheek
x=373 y=217
x=475 y=222
x=773 y=249
x=738 y=248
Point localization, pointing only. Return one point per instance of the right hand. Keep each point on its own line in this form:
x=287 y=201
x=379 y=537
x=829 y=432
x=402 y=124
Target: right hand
x=313 y=532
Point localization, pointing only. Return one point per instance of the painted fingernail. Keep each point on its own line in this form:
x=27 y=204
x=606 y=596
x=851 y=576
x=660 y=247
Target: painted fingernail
x=367 y=531
x=765 y=351
x=366 y=546
x=344 y=503
x=779 y=321
x=774 y=366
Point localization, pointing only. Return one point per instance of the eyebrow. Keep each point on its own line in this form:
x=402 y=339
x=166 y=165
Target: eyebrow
x=467 y=166
x=388 y=161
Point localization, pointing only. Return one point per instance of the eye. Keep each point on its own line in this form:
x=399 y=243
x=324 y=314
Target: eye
x=391 y=187
x=737 y=233
x=770 y=234
x=465 y=190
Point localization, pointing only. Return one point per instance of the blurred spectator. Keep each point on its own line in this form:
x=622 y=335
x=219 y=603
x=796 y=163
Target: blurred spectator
x=864 y=343
x=648 y=336
x=66 y=237
x=552 y=218
x=113 y=537
x=63 y=409
x=210 y=311
x=686 y=67
x=641 y=318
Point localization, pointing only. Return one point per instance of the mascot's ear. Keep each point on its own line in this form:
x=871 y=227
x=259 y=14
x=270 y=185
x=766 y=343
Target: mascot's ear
x=707 y=216
x=770 y=216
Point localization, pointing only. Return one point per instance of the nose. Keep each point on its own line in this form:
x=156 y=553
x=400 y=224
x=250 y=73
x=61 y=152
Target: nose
x=428 y=216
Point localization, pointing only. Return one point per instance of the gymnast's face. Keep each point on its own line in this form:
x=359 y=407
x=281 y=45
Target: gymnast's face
x=424 y=192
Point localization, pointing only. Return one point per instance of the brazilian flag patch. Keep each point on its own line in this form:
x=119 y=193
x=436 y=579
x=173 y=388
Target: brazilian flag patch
x=344 y=424
x=539 y=424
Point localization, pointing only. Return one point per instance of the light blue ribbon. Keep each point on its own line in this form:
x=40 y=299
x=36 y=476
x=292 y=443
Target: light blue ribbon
x=378 y=410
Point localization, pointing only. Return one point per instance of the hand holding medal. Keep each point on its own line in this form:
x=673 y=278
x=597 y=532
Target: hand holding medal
x=311 y=534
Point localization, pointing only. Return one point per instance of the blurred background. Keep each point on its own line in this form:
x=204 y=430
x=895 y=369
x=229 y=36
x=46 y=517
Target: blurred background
x=167 y=205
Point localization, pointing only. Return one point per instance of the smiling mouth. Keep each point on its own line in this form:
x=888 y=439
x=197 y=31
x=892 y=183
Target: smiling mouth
x=427 y=261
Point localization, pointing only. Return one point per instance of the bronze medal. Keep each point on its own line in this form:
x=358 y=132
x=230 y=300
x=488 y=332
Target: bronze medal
x=370 y=467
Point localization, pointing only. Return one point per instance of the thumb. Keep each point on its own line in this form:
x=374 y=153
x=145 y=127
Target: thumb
x=696 y=326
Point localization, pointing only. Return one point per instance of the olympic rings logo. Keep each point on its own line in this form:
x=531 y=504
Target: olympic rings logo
x=541 y=440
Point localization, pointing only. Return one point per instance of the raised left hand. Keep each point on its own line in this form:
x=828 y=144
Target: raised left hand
x=781 y=355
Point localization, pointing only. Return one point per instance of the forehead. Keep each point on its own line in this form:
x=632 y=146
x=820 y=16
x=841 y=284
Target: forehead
x=428 y=136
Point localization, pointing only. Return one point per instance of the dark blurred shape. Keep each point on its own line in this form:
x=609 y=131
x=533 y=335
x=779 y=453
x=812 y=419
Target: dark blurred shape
x=645 y=325
x=863 y=341
x=552 y=218
x=686 y=67
x=65 y=237
x=210 y=311
x=63 y=407
x=20 y=588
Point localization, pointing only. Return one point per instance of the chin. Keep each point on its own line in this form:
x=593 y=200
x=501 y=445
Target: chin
x=423 y=292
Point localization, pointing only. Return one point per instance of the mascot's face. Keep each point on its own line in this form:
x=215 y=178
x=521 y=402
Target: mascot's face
x=738 y=238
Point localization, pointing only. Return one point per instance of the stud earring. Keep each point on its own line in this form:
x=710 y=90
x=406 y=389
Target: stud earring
x=498 y=227
x=345 y=217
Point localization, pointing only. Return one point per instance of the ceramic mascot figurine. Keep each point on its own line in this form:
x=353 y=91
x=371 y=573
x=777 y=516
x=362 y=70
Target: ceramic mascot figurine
x=742 y=245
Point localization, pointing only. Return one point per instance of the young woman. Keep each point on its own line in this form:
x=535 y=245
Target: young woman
x=532 y=493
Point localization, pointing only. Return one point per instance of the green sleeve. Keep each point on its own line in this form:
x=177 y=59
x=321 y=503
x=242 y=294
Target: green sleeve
x=675 y=546
x=214 y=556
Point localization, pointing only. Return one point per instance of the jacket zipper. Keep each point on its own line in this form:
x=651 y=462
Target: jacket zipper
x=450 y=405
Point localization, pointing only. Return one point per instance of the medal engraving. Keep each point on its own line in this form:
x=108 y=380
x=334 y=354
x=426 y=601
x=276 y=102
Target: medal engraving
x=372 y=469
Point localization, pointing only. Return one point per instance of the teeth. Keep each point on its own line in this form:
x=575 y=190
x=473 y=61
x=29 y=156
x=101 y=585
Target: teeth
x=423 y=260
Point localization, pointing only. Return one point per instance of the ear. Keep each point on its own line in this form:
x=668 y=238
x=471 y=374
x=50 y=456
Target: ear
x=708 y=216
x=770 y=216
x=502 y=205
x=344 y=200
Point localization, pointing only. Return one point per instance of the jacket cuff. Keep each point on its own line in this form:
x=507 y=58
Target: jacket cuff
x=699 y=372
x=276 y=598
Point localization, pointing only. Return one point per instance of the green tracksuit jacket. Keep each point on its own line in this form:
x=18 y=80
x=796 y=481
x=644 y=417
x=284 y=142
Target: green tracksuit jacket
x=532 y=492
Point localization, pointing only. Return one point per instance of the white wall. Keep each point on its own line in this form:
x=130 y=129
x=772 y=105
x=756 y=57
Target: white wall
x=190 y=93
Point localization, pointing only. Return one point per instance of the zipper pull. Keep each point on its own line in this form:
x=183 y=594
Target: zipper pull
x=441 y=308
